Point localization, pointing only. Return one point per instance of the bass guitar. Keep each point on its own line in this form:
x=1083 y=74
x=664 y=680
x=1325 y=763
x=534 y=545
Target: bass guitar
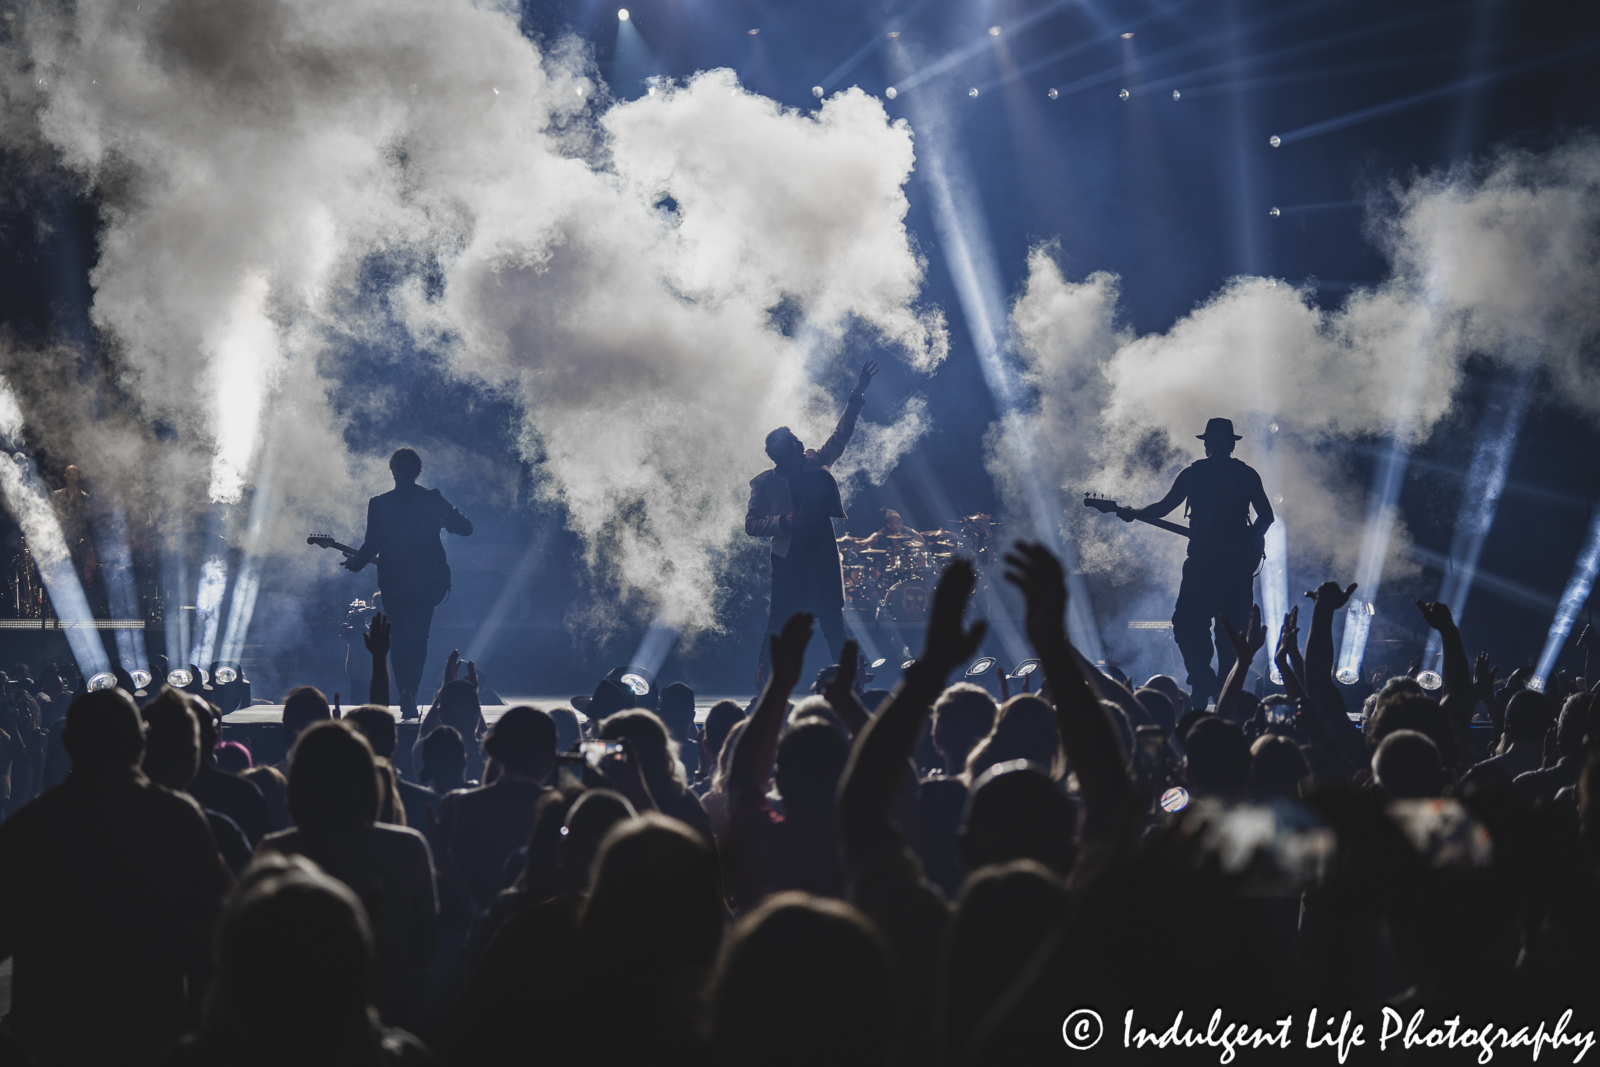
x=1251 y=548
x=326 y=541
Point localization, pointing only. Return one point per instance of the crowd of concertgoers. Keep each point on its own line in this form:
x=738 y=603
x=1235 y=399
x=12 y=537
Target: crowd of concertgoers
x=842 y=877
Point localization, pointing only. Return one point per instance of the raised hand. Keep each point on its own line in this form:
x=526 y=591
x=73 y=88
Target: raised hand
x=1329 y=595
x=1247 y=644
x=948 y=643
x=842 y=687
x=1586 y=638
x=1436 y=615
x=1037 y=573
x=1288 y=638
x=452 y=666
x=1483 y=673
x=472 y=674
x=789 y=647
x=869 y=370
x=377 y=638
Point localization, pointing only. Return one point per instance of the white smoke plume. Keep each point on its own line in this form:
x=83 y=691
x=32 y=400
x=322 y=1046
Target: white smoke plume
x=1500 y=258
x=658 y=283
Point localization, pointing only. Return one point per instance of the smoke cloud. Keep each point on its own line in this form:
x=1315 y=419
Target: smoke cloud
x=1499 y=258
x=656 y=283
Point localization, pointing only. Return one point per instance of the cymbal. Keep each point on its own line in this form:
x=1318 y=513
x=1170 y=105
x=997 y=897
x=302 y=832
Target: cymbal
x=900 y=537
x=848 y=540
x=933 y=534
x=874 y=552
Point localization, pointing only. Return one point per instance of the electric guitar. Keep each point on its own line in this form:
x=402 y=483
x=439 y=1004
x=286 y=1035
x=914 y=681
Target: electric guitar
x=327 y=541
x=1251 y=550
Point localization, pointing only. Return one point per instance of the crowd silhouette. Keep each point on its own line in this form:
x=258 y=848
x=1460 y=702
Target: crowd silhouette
x=847 y=877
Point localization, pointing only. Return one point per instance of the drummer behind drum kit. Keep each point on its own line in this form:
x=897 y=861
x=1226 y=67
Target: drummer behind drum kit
x=891 y=577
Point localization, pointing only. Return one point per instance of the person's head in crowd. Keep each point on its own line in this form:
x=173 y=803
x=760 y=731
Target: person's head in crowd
x=1024 y=729
x=274 y=790
x=523 y=742
x=654 y=910
x=206 y=716
x=587 y=822
x=458 y=705
x=1246 y=707
x=941 y=803
x=1119 y=719
x=1001 y=915
x=541 y=876
x=1405 y=711
x=1187 y=723
x=725 y=757
x=1217 y=757
x=811 y=757
x=803 y=981
x=333 y=781
x=1529 y=716
x=568 y=730
x=1406 y=765
x=719 y=721
x=377 y=726
x=56 y=761
x=294 y=968
x=406 y=466
x=872 y=698
x=962 y=716
x=657 y=753
x=677 y=711
x=1168 y=685
x=444 y=759
x=171 y=739
x=1160 y=708
x=103 y=732
x=1117 y=674
x=609 y=698
x=302 y=706
x=814 y=707
x=1573 y=725
x=1277 y=768
x=1016 y=811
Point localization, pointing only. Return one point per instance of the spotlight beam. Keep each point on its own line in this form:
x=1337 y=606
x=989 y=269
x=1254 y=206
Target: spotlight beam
x=1405 y=103
x=1507 y=589
x=120 y=591
x=1579 y=586
x=1480 y=501
x=242 y=607
x=872 y=45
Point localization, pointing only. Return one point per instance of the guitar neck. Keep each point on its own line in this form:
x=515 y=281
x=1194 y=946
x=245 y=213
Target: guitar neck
x=1170 y=527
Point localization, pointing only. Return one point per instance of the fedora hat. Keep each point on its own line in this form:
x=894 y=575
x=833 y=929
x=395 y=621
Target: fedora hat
x=1222 y=428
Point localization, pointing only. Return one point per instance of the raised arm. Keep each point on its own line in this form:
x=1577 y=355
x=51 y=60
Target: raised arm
x=830 y=452
x=1091 y=742
x=1318 y=678
x=878 y=759
x=1245 y=647
x=753 y=756
x=840 y=692
x=1460 y=698
x=377 y=642
x=1175 y=496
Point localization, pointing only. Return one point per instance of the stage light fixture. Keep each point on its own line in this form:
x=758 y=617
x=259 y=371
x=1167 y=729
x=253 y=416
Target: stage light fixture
x=1128 y=36
x=753 y=31
x=1025 y=668
x=141 y=679
x=1175 y=799
x=225 y=675
x=1348 y=676
x=1175 y=94
x=1275 y=140
x=636 y=683
x=1272 y=427
x=994 y=31
x=1429 y=680
x=890 y=92
x=103 y=680
x=1274 y=213
x=816 y=91
x=622 y=14
x=972 y=92
x=1052 y=94
x=893 y=34
x=981 y=667
x=1122 y=95
x=1535 y=683
x=908 y=664
x=180 y=678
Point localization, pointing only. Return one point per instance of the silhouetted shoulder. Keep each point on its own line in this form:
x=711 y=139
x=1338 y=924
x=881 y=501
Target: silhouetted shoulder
x=761 y=479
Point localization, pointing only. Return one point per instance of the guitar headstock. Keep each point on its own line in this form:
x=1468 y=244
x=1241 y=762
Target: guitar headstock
x=1100 y=503
x=321 y=540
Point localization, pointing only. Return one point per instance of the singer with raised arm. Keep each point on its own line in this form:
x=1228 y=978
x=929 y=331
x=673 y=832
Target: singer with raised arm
x=413 y=575
x=795 y=504
x=1225 y=547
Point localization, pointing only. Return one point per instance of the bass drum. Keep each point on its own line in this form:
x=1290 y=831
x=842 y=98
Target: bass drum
x=906 y=601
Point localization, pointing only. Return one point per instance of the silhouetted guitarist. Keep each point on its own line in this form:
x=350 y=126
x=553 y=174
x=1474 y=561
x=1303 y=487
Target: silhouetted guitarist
x=403 y=536
x=1223 y=553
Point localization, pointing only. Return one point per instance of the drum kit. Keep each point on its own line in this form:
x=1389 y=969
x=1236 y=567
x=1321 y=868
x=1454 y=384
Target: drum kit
x=891 y=577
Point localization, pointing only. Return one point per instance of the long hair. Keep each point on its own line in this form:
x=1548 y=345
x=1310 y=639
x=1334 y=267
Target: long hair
x=333 y=780
x=654 y=746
